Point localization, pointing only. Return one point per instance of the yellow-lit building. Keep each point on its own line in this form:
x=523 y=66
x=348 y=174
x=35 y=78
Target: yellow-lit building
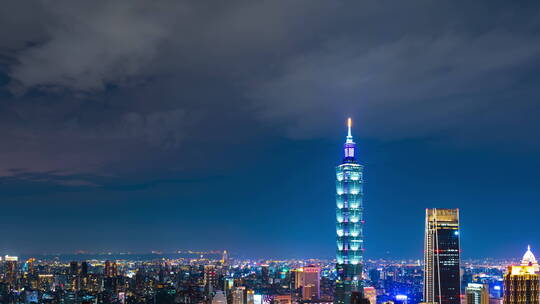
x=521 y=285
x=371 y=294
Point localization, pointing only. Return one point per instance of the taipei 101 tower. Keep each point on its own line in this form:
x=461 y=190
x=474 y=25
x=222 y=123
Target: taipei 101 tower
x=349 y=223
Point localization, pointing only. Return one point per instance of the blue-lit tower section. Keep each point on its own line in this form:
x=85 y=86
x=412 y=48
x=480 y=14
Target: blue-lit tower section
x=349 y=223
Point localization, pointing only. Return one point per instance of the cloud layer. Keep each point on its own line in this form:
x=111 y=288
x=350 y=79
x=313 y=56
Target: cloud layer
x=96 y=87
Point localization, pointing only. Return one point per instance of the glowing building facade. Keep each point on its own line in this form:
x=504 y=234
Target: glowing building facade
x=521 y=285
x=441 y=257
x=349 y=223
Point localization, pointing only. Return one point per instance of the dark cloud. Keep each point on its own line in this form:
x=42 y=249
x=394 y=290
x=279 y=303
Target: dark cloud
x=96 y=87
x=88 y=46
x=409 y=87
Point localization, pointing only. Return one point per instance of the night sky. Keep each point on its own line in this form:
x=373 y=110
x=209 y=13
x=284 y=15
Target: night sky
x=166 y=125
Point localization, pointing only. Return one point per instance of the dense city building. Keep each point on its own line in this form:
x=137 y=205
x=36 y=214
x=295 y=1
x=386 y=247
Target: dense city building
x=521 y=285
x=307 y=279
x=477 y=293
x=442 y=256
x=179 y=278
x=349 y=223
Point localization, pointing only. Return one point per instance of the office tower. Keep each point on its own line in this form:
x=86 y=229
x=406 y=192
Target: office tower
x=238 y=295
x=521 y=285
x=529 y=260
x=441 y=256
x=477 y=293
x=311 y=283
x=349 y=223
x=371 y=294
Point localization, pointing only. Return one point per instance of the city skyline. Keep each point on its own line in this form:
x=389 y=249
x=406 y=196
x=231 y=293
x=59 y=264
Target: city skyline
x=139 y=126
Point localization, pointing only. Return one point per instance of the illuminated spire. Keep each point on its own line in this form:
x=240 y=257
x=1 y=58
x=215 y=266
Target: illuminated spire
x=350 y=146
x=349 y=134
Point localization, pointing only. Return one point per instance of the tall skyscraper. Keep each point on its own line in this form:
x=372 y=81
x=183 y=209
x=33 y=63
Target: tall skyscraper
x=477 y=293
x=441 y=256
x=349 y=223
x=521 y=285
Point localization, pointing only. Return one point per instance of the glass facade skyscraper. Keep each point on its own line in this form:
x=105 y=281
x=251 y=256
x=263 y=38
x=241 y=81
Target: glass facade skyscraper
x=349 y=223
x=441 y=256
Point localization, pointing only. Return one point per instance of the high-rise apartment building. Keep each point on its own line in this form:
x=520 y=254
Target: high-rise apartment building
x=349 y=223
x=477 y=293
x=311 y=282
x=308 y=279
x=441 y=256
x=521 y=285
